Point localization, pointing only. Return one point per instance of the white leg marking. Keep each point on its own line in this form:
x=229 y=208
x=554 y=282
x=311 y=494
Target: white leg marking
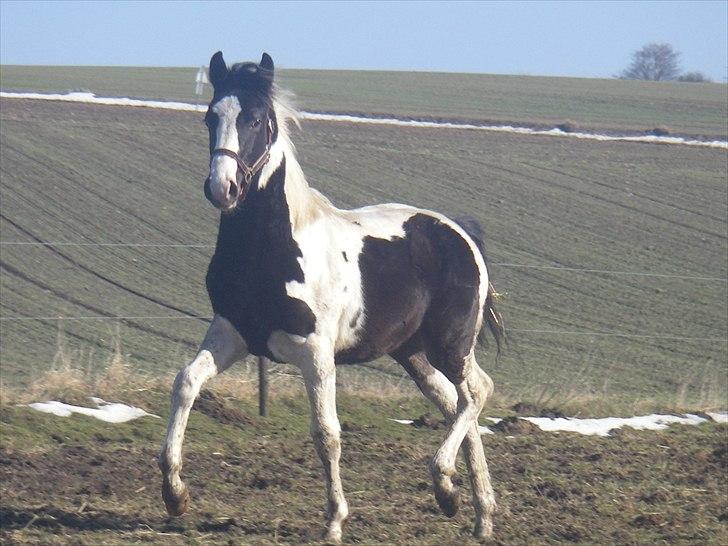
x=316 y=361
x=326 y=434
x=461 y=406
x=435 y=386
x=221 y=347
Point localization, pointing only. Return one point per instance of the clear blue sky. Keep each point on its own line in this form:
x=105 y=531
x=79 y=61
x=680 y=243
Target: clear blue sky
x=552 y=38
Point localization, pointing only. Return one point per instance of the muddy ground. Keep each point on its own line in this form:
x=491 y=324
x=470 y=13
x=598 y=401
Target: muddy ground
x=257 y=481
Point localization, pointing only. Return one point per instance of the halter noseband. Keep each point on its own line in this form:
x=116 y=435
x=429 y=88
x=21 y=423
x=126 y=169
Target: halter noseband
x=249 y=171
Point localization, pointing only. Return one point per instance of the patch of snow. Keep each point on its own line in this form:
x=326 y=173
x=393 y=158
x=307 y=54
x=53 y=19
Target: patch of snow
x=105 y=411
x=603 y=426
x=403 y=421
x=719 y=417
x=169 y=105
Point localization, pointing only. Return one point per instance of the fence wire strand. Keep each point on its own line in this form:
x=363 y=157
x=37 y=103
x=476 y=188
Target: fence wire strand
x=497 y=264
x=515 y=330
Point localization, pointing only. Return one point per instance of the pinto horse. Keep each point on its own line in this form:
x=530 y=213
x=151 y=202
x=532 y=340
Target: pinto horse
x=297 y=280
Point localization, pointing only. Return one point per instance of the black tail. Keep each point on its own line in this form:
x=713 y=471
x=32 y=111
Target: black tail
x=491 y=317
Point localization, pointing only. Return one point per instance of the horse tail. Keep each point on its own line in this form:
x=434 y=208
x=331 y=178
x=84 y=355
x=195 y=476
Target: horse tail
x=492 y=318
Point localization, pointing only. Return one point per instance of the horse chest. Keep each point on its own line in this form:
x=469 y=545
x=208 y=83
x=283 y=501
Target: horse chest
x=255 y=258
x=250 y=291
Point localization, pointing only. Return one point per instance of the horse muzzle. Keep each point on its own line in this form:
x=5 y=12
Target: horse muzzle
x=225 y=194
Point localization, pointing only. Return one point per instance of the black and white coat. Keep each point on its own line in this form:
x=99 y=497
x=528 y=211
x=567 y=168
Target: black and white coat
x=297 y=280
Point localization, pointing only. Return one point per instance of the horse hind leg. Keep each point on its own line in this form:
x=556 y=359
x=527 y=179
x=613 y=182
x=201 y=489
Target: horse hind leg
x=441 y=392
x=484 y=497
x=472 y=393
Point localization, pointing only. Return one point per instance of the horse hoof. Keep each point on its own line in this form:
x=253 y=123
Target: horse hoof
x=483 y=532
x=333 y=537
x=448 y=500
x=176 y=503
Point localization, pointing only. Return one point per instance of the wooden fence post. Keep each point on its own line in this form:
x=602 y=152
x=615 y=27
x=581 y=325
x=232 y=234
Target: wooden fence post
x=262 y=386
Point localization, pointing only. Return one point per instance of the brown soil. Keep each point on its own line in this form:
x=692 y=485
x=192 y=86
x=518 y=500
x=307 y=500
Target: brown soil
x=642 y=487
x=515 y=425
x=532 y=410
x=215 y=406
x=427 y=420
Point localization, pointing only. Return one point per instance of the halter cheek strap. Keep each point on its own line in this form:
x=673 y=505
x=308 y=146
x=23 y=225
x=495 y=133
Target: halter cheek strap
x=249 y=171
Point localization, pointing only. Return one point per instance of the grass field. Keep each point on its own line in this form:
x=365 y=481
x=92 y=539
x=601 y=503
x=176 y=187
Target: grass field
x=79 y=173
x=91 y=174
x=606 y=105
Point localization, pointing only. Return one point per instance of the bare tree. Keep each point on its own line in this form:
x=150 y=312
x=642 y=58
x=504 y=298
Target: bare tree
x=654 y=62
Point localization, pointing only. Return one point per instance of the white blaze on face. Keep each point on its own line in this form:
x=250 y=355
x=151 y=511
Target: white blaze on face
x=222 y=167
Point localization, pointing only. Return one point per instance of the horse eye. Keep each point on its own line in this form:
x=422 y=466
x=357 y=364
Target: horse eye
x=256 y=123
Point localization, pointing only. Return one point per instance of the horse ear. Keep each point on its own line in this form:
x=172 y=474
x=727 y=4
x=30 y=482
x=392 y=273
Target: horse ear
x=266 y=65
x=218 y=69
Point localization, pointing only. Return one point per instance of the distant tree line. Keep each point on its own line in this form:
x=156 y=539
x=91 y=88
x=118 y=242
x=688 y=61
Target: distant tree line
x=658 y=62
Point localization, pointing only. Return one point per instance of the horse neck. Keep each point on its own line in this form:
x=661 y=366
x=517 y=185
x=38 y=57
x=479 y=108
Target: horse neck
x=304 y=203
x=281 y=195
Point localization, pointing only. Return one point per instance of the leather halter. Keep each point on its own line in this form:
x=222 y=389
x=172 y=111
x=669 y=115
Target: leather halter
x=249 y=171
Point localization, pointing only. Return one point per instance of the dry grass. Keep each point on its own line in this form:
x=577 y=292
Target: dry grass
x=697 y=389
x=662 y=130
x=701 y=388
x=567 y=126
x=75 y=375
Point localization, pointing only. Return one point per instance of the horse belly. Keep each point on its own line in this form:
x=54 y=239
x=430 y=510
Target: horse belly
x=382 y=336
x=395 y=298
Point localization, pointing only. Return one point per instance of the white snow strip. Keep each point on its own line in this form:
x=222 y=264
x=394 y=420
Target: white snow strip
x=603 y=426
x=90 y=98
x=719 y=417
x=518 y=130
x=105 y=411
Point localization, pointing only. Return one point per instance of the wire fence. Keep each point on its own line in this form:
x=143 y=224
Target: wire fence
x=515 y=330
x=498 y=264
x=585 y=270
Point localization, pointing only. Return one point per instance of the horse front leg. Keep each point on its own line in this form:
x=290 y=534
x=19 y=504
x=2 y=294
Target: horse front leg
x=320 y=378
x=221 y=347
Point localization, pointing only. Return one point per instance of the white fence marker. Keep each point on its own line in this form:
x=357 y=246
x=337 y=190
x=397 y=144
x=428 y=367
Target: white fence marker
x=201 y=80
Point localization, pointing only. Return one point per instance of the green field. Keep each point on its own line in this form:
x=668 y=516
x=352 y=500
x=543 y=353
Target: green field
x=699 y=110
x=74 y=173
x=78 y=173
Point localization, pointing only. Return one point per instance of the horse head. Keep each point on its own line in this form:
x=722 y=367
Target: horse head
x=242 y=127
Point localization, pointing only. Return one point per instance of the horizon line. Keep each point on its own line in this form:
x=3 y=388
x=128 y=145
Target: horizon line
x=721 y=81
